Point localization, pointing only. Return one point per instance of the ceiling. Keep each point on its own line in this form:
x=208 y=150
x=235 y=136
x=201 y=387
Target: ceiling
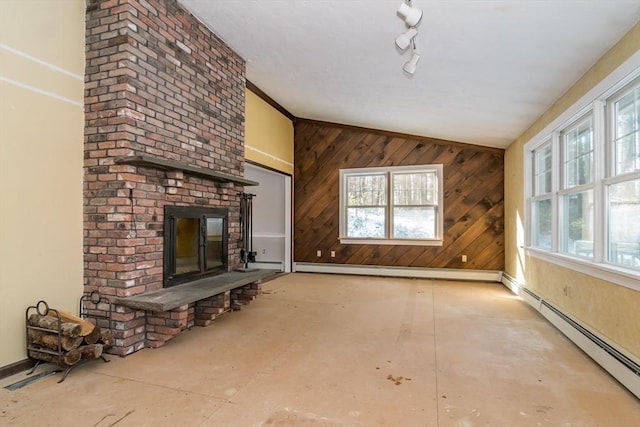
x=488 y=68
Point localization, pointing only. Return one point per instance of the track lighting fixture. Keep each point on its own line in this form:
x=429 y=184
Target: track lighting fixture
x=404 y=40
x=411 y=65
x=411 y=16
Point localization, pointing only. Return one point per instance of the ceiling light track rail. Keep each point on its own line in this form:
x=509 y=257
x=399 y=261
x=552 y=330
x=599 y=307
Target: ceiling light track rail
x=412 y=17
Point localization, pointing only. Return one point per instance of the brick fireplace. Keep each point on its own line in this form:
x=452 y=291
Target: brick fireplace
x=164 y=123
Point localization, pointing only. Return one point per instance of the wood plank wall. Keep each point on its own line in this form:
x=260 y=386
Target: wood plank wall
x=473 y=196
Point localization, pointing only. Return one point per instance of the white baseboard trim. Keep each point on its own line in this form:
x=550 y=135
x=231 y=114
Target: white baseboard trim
x=267 y=265
x=387 y=271
x=511 y=282
x=623 y=366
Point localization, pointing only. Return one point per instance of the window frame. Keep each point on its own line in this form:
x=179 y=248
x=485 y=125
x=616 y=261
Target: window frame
x=540 y=196
x=565 y=189
x=611 y=175
x=598 y=102
x=389 y=206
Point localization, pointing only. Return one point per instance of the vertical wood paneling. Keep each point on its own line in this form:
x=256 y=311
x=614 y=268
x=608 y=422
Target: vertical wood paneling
x=473 y=196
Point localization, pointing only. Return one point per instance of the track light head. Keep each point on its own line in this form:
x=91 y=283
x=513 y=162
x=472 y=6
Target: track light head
x=404 y=40
x=411 y=15
x=411 y=65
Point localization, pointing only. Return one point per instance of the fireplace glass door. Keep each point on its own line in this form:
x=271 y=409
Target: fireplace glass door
x=215 y=241
x=195 y=243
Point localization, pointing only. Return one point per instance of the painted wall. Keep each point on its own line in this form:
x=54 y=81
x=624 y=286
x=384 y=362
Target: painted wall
x=41 y=117
x=607 y=308
x=268 y=135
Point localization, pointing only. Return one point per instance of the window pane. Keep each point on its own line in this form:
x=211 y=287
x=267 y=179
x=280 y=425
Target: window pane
x=578 y=224
x=367 y=190
x=214 y=242
x=624 y=223
x=626 y=140
x=625 y=114
x=542 y=170
x=366 y=222
x=542 y=223
x=187 y=245
x=627 y=153
x=578 y=154
x=411 y=189
x=414 y=223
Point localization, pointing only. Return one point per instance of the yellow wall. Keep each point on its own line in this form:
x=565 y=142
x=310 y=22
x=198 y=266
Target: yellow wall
x=41 y=155
x=268 y=135
x=607 y=308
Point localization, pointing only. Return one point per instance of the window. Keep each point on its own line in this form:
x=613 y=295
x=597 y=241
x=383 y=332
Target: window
x=622 y=186
x=576 y=195
x=394 y=205
x=584 y=188
x=195 y=243
x=541 y=209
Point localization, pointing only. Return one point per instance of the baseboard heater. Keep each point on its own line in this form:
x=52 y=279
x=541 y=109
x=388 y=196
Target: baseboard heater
x=634 y=367
x=622 y=367
x=392 y=271
x=533 y=296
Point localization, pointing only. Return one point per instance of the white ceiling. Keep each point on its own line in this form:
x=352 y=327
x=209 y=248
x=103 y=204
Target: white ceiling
x=488 y=68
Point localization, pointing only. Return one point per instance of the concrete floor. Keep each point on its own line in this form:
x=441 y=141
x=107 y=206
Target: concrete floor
x=327 y=350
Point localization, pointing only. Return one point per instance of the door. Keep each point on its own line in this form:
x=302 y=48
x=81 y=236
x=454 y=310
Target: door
x=271 y=217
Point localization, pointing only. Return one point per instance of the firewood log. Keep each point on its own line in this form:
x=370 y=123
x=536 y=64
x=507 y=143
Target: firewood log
x=87 y=326
x=68 y=359
x=106 y=337
x=48 y=322
x=89 y=351
x=50 y=340
x=93 y=336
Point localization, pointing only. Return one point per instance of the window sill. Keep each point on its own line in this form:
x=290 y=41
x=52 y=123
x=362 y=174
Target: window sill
x=626 y=277
x=397 y=242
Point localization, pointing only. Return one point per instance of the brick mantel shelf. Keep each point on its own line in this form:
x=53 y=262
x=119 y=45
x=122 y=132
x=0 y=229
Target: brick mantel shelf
x=173 y=165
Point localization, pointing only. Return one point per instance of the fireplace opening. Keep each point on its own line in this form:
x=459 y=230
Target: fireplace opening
x=195 y=243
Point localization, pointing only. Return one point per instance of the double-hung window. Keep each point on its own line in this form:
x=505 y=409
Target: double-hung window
x=622 y=185
x=392 y=205
x=584 y=188
x=541 y=200
x=576 y=196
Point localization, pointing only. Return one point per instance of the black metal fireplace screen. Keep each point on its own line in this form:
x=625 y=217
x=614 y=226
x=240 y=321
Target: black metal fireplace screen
x=195 y=243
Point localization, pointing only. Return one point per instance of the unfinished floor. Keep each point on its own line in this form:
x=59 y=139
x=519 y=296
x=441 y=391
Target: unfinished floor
x=329 y=350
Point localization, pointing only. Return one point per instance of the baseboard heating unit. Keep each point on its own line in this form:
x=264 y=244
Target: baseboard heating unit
x=390 y=271
x=620 y=365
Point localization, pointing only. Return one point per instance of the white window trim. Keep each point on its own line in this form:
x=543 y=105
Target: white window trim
x=542 y=196
x=564 y=190
x=437 y=241
x=594 y=99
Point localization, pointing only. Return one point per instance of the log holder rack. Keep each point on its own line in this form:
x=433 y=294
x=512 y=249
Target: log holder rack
x=42 y=309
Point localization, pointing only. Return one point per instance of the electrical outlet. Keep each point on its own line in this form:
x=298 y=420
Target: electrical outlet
x=464 y=258
x=319 y=253
x=333 y=254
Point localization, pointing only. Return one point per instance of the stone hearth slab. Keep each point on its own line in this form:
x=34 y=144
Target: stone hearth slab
x=169 y=298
